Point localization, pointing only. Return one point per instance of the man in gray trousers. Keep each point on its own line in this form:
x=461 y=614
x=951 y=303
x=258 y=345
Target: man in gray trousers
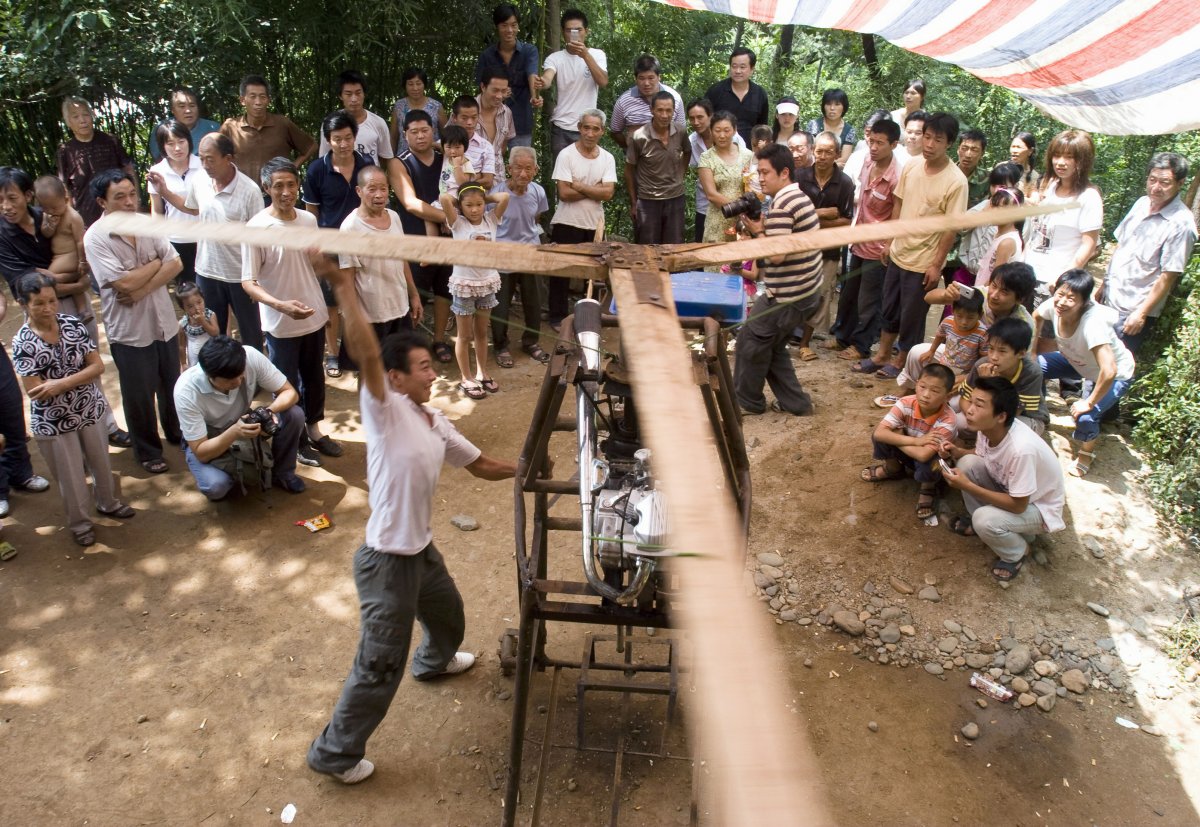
x=399 y=573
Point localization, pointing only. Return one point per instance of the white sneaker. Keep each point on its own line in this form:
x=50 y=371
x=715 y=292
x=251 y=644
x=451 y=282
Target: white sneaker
x=461 y=662
x=4 y=509
x=359 y=772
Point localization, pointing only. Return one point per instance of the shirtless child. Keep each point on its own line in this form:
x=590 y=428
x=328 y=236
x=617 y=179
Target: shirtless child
x=64 y=227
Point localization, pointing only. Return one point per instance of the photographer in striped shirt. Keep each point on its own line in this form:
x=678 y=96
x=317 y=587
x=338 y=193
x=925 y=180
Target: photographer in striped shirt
x=790 y=296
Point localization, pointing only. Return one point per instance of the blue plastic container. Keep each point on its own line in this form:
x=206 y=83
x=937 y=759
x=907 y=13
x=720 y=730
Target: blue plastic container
x=700 y=293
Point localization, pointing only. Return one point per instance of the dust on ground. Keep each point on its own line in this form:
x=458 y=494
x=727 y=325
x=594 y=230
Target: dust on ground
x=177 y=671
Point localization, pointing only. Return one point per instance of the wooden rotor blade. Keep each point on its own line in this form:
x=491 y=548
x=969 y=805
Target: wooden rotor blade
x=842 y=236
x=501 y=255
x=763 y=770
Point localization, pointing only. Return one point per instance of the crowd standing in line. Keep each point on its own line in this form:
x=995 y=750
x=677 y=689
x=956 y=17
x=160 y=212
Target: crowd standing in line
x=970 y=408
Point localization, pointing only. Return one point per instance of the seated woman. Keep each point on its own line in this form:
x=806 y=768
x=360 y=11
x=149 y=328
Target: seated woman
x=1088 y=348
x=59 y=365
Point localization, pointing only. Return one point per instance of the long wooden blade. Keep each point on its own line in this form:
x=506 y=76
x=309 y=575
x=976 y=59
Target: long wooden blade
x=841 y=236
x=758 y=757
x=502 y=255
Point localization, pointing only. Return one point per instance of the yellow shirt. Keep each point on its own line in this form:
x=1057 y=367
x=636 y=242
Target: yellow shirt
x=944 y=193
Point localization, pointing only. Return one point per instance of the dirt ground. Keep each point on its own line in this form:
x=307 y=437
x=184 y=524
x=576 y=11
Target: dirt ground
x=176 y=673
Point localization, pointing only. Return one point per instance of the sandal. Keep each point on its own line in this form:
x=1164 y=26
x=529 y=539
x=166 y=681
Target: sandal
x=885 y=401
x=866 y=366
x=489 y=385
x=7 y=551
x=1080 y=467
x=888 y=371
x=880 y=473
x=155 y=466
x=961 y=526
x=537 y=354
x=1005 y=571
x=85 y=538
x=332 y=369
x=504 y=359
x=121 y=512
x=442 y=352
x=472 y=390
x=925 y=501
x=807 y=354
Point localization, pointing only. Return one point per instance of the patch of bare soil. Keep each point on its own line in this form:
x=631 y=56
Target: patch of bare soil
x=176 y=673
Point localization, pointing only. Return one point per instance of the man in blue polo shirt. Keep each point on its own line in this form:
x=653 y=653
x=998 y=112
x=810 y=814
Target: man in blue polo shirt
x=519 y=61
x=521 y=224
x=330 y=194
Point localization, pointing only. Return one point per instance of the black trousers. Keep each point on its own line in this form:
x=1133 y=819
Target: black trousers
x=557 y=288
x=302 y=360
x=15 y=465
x=148 y=374
x=220 y=296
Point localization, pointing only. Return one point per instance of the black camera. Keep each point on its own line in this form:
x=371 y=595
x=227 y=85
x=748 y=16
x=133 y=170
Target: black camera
x=748 y=204
x=265 y=418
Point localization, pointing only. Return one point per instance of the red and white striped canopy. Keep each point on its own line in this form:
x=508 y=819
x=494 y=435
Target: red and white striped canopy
x=1122 y=67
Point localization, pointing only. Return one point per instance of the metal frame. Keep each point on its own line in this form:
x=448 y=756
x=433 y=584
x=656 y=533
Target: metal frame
x=574 y=601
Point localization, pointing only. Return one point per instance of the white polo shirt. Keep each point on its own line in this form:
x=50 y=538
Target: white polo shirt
x=285 y=274
x=151 y=318
x=237 y=203
x=203 y=409
x=405 y=453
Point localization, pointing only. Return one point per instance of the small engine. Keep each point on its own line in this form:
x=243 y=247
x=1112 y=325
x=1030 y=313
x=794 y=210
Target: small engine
x=630 y=514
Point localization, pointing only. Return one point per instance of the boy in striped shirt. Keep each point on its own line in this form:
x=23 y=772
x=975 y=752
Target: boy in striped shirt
x=911 y=434
x=960 y=342
x=1008 y=342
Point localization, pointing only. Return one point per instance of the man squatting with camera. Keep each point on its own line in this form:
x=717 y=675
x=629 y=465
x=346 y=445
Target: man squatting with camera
x=215 y=402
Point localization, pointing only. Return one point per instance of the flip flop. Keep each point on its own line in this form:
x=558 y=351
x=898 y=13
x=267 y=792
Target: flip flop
x=155 y=466
x=7 y=551
x=807 y=354
x=866 y=366
x=1007 y=571
x=885 y=401
x=442 y=352
x=504 y=359
x=332 y=369
x=851 y=354
x=489 y=385
x=472 y=390
x=888 y=371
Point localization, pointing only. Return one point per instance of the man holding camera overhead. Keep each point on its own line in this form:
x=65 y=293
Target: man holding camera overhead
x=791 y=292
x=222 y=426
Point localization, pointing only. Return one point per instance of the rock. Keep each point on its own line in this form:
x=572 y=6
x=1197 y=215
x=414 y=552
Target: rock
x=770 y=558
x=849 y=623
x=774 y=572
x=970 y=731
x=1106 y=643
x=752 y=443
x=952 y=627
x=908 y=630
x=464 y=522
x=869 y=587
x=947 y=644
x=787 y=615
x=930 y=580
x=929 y=593
x=890 y=633
x=1043 y=687
x=871 y=725
x=970 y=633
x=1075 y=680
x=1045 y=668
x=1117 y=680
x=503 y=695
x=864 y=615
x=1018 y=659
x=141 y=719
x=981 y=703
x=1150 y=729
x=1098 y=609
x=900 y=586
x=1026 y=699
x=1061 y=692
x=1020 y=685
x=1093 y=545
x=572 y=785
x=1046 y=702
x=804 y=621
x=890 y=613
x=977 y=660
x=1140 y=626
x=762 y=581
x=934 y=668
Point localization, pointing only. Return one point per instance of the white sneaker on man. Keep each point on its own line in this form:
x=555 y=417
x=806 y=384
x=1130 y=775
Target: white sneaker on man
x=359 y=772
x=461 y=662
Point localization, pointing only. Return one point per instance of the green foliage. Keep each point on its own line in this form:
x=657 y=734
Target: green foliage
x=1166 y=402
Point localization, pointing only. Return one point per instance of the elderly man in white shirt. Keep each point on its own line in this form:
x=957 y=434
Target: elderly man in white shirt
x=139 y=319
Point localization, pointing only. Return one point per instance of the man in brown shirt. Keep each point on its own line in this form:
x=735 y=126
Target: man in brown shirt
x=655 y=162
x=259 y=135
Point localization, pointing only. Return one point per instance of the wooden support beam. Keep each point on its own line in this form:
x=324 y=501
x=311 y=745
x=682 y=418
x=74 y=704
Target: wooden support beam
x=763 y=771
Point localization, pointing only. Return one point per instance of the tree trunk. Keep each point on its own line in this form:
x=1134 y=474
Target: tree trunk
x=741 y=32
x=868 y=44
x=783 y=55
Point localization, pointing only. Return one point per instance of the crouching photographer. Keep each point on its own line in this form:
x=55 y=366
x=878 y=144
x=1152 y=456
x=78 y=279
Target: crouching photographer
x=226 y=432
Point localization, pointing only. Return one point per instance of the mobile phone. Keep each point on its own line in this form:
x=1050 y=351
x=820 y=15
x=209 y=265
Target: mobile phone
x=966 y=291
x=945 y=465
x=574 y=36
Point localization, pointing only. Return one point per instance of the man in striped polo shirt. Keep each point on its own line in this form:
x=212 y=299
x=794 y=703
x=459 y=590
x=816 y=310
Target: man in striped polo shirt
x=790 y=296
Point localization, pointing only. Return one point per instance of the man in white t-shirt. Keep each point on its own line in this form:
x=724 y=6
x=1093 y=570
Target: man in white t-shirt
x=386 y=284
x=585 y=176
x=399 y=573
x=213 y=396
x=581 y=72
x=373 y=140
x=284 y=283
x=1012 y=484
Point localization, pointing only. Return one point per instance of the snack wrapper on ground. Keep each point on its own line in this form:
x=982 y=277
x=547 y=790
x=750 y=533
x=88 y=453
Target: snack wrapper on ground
x=315 y=524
